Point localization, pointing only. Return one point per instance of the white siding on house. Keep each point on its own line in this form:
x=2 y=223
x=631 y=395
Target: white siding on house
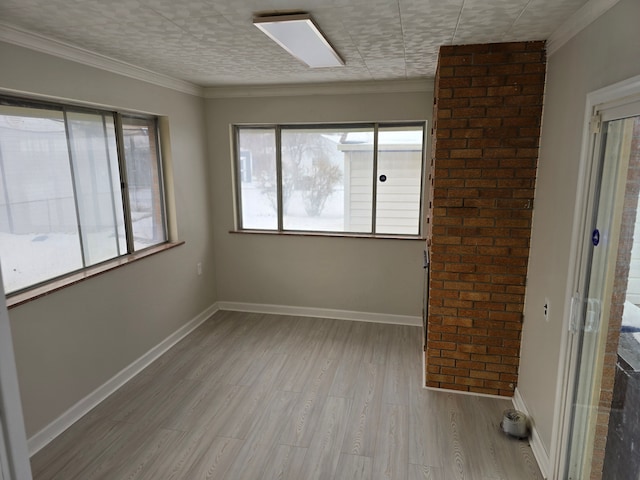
x=398 y=198
x=358 y=190
x=633 y=287
x=398 y=202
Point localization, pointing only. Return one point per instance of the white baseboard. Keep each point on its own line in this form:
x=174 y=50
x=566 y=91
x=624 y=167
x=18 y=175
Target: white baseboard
x=322 y=313
x=464 y=392
x=539 y=450
x=68 y=418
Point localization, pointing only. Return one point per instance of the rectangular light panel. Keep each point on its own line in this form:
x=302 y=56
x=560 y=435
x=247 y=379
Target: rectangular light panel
x=300 y=36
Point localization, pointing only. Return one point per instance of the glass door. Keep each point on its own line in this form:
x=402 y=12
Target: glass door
x=14 y=453
x=4 y=462
x=591 y=305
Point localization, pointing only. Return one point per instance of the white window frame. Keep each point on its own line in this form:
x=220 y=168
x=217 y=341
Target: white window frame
x=88 y=270
x=278 y=128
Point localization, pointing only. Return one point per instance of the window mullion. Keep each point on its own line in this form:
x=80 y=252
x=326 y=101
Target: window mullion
x=124 y=191
x=279 y=177
x=423 y=180
x=68 y=134
x=238 y=176
x=375 y=179
x=157 y=205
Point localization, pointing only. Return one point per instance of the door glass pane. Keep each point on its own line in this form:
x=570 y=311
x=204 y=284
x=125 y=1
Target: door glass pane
x=92 y=144
x=399 y=180
x=623 y=437
x=39 y=237
x=327 y=179
x=258 y=178
x=142 y=159
x=601 y=287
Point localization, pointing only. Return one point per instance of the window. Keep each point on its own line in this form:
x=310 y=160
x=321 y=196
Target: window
x=77 y=187
x=354 y=178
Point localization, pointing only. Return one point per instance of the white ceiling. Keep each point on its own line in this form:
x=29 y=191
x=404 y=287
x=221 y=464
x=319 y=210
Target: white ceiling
x=214 y=43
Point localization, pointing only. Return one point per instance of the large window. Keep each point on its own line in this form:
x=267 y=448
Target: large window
x=354 y=178
x=77 y=187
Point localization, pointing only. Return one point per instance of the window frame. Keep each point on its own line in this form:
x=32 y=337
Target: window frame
x=278 y=128
x=124 y=183
x=41 y=288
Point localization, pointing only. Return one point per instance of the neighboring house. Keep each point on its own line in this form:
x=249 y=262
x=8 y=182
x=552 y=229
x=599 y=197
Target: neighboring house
x=398 y=197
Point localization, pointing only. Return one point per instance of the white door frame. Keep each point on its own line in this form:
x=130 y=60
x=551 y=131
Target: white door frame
x=568 y=362
x=14 y=457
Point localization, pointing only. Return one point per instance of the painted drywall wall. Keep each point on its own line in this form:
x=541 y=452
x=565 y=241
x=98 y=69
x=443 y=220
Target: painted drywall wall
x=604 y=53
x=72 y=341
x=362 y=275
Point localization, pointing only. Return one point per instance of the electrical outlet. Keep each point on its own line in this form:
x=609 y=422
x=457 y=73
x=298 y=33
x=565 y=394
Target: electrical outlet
x=199 y=268
x=546 y=309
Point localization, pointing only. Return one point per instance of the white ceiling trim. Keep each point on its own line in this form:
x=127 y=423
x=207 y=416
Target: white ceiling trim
x=589 y=12
x=338 y=88
x=41 y=43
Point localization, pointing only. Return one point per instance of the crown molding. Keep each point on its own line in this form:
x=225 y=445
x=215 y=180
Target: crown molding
x=588 y=13
x=50 y=46
x=57 y=48
x=342 y=88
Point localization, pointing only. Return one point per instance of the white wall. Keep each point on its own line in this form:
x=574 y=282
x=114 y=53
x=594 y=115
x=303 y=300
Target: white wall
x=604 y=53
x=362 y=275
x=72 y=341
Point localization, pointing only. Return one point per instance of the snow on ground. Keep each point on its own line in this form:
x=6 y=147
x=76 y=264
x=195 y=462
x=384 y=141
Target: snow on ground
x=258 y=212
x=34 y=258
x=28 y=259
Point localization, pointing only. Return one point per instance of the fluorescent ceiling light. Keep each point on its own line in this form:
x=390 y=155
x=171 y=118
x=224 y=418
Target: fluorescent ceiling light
x=301 y=37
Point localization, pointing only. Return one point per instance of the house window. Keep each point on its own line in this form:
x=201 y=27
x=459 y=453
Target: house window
x=78 y=187
x=351 y=179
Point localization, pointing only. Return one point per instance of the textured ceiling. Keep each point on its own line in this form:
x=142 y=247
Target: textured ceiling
x=213 y=42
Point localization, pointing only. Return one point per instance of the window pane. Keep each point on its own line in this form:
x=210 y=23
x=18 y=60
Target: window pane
x=39 y=236
x=327 y=177
x=258 y=182
x=400 y=166
x=143 y=179
x=93 y=146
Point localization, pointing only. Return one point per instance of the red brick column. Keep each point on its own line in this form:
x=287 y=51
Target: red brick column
x=487 y=115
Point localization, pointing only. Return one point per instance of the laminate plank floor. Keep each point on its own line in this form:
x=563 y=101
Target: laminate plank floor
x=263 y=397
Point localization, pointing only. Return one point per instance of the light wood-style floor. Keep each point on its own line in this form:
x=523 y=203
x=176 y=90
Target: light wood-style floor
x=250 y=397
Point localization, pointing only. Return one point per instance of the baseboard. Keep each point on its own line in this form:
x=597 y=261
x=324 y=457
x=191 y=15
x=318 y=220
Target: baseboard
x=322 y=313
x=464 y=392
x=539 y=451
x=68 y=418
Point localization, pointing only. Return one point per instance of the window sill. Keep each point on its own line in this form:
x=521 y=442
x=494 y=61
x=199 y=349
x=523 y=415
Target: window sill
x=328 y=234
x=16 y=299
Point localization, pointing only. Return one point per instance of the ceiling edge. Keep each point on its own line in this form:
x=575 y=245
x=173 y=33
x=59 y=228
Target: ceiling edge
x=334 y=88
x=41 y=43
x=588 y=13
